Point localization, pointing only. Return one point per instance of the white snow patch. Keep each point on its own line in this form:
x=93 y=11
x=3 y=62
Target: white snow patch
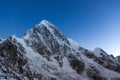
x=74 y=44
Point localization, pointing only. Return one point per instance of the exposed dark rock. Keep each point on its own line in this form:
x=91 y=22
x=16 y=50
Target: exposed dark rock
x=108 y=65
x=59 y=59
x=94 y=74
x=89 y=54
x=14 y=59
x=76 y=64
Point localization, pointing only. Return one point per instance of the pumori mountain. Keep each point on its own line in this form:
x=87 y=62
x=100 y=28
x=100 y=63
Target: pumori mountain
x=44 y=53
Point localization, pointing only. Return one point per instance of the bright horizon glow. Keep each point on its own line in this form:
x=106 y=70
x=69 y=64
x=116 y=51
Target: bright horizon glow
x=91 y=23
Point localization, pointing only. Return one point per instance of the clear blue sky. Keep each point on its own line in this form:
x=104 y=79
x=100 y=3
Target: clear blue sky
x=92 y=23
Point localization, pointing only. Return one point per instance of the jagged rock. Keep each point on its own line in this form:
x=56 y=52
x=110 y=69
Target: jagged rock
x=12 y=58
x=59 y=59
x=87 y=53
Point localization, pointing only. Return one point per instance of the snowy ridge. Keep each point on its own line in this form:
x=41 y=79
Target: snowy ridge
x=74 y=44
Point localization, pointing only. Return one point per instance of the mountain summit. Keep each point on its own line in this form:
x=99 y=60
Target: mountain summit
x=44 y=53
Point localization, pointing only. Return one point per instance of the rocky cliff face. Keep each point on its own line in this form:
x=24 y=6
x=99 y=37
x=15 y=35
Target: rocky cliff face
x=44 y=53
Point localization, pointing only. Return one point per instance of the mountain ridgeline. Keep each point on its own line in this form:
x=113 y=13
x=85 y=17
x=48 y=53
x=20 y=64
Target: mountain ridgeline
x=44 y=53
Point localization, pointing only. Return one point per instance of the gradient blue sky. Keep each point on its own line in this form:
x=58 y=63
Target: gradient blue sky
x=92 y=23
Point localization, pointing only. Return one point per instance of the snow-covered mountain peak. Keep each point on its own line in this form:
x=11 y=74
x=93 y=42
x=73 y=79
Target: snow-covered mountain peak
x=100 y=52
x=45 y=22
x=44 y=53
x=52 y=29
x=46 y=30
x=98 y=49
x=12 y=36
x=50 y=37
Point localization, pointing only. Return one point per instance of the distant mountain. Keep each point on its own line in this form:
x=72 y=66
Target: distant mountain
x=44 y=53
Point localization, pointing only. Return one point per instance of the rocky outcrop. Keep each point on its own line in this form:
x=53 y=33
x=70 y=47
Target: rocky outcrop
x=94 y=74
x=76 y=64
